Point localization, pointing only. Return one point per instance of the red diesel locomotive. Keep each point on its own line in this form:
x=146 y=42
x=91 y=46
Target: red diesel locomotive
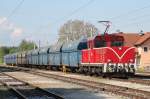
x=107 y=54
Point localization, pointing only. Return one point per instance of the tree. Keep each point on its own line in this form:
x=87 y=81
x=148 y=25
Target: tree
x=13 y=50
x=73 y=30
x=26 y=45
x=3 y=51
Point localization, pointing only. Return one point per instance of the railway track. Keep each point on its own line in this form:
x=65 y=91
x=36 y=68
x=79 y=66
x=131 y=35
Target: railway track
x=23 y=90
x=119 y=90
x=135 y=80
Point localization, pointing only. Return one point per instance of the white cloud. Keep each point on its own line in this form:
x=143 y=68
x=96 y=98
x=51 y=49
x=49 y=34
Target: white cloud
x=29 y=38
x=8 y=26
x=2 y=20
x=17 y=32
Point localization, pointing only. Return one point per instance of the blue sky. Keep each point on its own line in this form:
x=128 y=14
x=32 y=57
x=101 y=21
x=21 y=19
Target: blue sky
x=40 y=20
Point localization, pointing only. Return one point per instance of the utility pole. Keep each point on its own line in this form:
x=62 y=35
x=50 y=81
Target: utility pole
x=39 y=44
x=34 y=45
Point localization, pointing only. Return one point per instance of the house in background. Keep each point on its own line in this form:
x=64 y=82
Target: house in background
x=130 y=38
x=142 y=43
x=143 y=46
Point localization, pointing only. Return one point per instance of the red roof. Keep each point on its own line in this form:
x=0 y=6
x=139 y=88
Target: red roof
x=130 y=38
x=143 y=38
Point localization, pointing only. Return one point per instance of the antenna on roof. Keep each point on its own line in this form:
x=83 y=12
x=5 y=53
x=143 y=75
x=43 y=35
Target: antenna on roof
x=118 y=31
x=141 y=33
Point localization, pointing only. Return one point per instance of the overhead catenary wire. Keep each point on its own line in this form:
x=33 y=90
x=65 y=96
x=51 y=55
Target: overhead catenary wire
x=135 y=23
x=135 y=20
x=69 y=14
x=76 y=10
x=129 y=13
x=13 y=11
x=40 y=28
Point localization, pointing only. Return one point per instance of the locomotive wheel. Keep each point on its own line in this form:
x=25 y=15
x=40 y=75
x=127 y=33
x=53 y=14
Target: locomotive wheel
x=49 y=67
x=89 y=72
x=54 y=68
x=85 y=71
x=104 y=75
x=98 y=71
x=73 y=70
x=80 y=70
x=93 y=71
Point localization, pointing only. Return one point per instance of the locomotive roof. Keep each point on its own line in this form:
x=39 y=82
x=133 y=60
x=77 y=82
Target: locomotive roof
x=108 y=37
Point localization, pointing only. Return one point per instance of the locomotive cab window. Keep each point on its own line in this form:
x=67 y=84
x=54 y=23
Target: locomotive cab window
x=82 y=45
x=117 y=43
x=99 y=43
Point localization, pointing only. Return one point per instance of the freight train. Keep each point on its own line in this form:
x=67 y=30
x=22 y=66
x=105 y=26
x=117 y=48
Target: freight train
x=102 y=55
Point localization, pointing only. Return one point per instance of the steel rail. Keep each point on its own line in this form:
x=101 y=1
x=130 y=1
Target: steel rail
x=125 y=91
x=20 y=95
x=119 y=90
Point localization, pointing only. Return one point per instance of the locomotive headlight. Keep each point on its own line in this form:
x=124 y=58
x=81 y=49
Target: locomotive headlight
x=131 y=60
x=109 y=60
x=120 y=48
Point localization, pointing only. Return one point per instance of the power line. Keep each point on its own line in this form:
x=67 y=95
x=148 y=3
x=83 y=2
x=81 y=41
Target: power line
x=76 y=10
x=73 y=12
x=139 y=17
x=129 y=13
x=14 y=11
x=134 y=23
x=136 y=18
x=67 y=16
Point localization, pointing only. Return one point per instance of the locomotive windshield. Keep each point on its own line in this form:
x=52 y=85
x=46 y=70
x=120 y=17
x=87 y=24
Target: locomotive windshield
x=117 y=41
x=108 y=40
x=82 y=45
x=100 y=43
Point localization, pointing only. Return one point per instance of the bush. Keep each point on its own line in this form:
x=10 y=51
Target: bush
x=140 y=69
x=1 y=60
